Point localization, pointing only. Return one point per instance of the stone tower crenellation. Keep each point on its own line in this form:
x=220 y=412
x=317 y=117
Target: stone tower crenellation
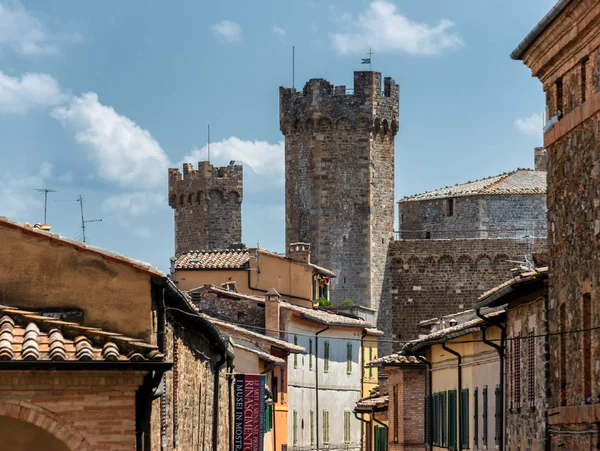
x=339 y=168
x=208 y=206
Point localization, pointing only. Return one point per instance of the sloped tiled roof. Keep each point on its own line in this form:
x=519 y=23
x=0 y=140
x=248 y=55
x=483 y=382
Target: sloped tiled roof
x=218 y=259
x=523 y=278
x=261 y=354
x=395 y=359
x=368 y=403
x=25 y=335
x=521 y=181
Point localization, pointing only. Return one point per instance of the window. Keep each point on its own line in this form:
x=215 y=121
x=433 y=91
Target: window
x=347 y=437
x=484 y=435
x=349 y=358
x=296 y=355
x=497 y=416
x=427 y=235
x=583 y=77
x=476 y=418
x=435 y=424
x=395 y=412
x=268 y=418
x=295 y=427
x=559 y=95
x=312 y=427
x=282 y=386
x=586 y=337
x=517 y=372
x=310 y=355
x=452 y=419
x=450 y=207
x=531 y=369
x=443 y=419
x=464 y=416
x=370 y=358
x=275 y=389
x=326 y=427
x=427 y=421
x=326 y=357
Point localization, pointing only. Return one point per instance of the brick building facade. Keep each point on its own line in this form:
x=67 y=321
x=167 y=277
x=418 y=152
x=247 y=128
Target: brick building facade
x=207 y=205
x=339 y=166
x=563 y=52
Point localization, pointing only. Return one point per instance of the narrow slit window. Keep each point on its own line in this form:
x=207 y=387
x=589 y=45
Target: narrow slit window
x=326 y=357
x=450 y=207
x=349 y=358
x=559 y=95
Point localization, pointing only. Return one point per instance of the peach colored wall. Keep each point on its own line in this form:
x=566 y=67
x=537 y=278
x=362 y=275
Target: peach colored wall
x=188 y=279
x=39 y=272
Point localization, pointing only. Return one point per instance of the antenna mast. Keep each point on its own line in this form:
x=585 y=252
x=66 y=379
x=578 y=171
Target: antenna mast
x=209 y=143
x=45 y=191
x=83 y=220
x=293 y=66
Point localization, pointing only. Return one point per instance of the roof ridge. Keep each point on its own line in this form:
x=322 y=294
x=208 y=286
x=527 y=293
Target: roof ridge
x=502 y=178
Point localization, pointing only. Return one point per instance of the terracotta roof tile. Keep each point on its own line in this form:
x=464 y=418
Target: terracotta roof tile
x=262 y=354
x=394 y=359
x=521 y=181
x=25 y=335
x=219 y=259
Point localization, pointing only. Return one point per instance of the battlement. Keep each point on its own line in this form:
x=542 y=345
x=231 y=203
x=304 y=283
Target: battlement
x=192 y=182
x=320 y=99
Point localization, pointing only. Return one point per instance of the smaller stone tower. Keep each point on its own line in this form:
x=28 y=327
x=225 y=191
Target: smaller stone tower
x=208 y=206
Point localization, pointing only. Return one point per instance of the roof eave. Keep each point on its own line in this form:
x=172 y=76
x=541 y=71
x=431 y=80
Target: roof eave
x=79 y=365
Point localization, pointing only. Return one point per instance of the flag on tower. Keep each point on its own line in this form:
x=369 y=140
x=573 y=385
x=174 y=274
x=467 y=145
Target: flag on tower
x=366 y=61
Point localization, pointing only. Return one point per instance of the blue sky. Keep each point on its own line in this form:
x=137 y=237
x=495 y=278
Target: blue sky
x=100 y=98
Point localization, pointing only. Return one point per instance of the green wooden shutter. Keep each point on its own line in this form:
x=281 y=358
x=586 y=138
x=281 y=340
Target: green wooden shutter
x=497 y=416
x=296 y=355
x=427 y=420
x=452 y=419
x=310 y=355
x=347 y=427
x=312 y=427
x=436 y=420
x=268 y=418
x=295 y=427
x=349 y=358
x=464 y=410
x=371 y=358
x=484 y=435
x=326 y=427
x=381 y=440
x=326 y=357
x=443 y=420
x=476 y=418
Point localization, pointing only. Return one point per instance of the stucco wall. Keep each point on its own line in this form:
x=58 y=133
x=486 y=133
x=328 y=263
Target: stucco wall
x=188 y=279
x=43 y=273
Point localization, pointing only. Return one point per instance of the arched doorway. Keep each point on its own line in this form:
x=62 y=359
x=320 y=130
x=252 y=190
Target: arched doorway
x=18 y=435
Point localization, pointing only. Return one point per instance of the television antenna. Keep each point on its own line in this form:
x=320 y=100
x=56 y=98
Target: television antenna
x=83 y=220
x=45 y=191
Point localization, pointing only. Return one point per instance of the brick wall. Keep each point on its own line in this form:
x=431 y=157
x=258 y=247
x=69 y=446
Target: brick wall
x=339 y=179
x=208 y=206
x=473 y=214
x=407 y=388
x=432 y=278
x=91 y=410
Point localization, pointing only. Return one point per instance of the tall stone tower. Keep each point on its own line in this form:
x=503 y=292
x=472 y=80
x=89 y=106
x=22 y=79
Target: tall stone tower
x=208 y=206
x=339 y=168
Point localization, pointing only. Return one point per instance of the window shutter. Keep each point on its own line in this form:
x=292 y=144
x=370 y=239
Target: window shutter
x=295 y=427
x=310 y=355
x=498 y=416
x=371 y=358
x=326 y=357
x=349 y=358
x=436 y=420
x=346 y=427
x=296 y=355
x=326 y=427
x=452 y=419
x=312 y=427
x=531 y=369
x=444 y=419
x=476 y=418
x=427 y=420
x=484 y=436
x=464 y=410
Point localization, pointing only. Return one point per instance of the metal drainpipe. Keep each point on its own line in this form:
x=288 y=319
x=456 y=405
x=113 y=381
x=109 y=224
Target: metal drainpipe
x=362 y=381
x=430 y=388
x=230 y=402
x=379 y=422
x=362 y=425
x=317 y=379
x=215 y=432
x=460 y=419
x=500 y=349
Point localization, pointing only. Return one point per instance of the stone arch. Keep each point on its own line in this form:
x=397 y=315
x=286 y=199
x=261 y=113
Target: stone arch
x=309 y=125
x=446 y=263
x=376 y=126
x=199 y=197
x=500 y=260
x=343 y=123
x=215 y=194
x=47 y=421
x=464 y=263
x=234 y=195
x=483 y=263
x=413 y=264
x=324 y=124
x=394 y=127
x=190 y=198
x=385 y=126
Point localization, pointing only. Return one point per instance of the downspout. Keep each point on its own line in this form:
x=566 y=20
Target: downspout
x=460 y=418
x=227 y=357
x=379 y=422
x=230 y=402
x=362 y=427
x=430 y=391
x=362 y=382
x=500 y=349
x=317 y=379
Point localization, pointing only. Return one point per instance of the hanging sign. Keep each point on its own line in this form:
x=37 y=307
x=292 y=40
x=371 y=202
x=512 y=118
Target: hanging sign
x=249 y=419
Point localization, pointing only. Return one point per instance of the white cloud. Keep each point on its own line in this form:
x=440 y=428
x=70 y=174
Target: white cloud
x=382 y=28
x=66 y=177
x=124 y=153
x=531 y=125
x=227 y=31
x=279 y=32
x=19 y=95
x=25 y=34
x=17 y=196
x=263 y=158
x=135 y=204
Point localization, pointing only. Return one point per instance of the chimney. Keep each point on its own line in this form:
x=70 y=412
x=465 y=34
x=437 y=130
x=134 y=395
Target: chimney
x=272 y=313
x=541 y=159
x=299 y=252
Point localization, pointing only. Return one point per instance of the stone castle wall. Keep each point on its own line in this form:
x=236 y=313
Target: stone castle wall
x=208 y=206
x=339 y=179
x=431 y=278
x=506 y=216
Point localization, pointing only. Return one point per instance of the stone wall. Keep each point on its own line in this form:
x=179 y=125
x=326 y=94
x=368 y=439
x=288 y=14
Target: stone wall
x=339 y=178
x=232 y=309
x=208 y=206
x=512 y=216
x=431 y=278
x=183 y=417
